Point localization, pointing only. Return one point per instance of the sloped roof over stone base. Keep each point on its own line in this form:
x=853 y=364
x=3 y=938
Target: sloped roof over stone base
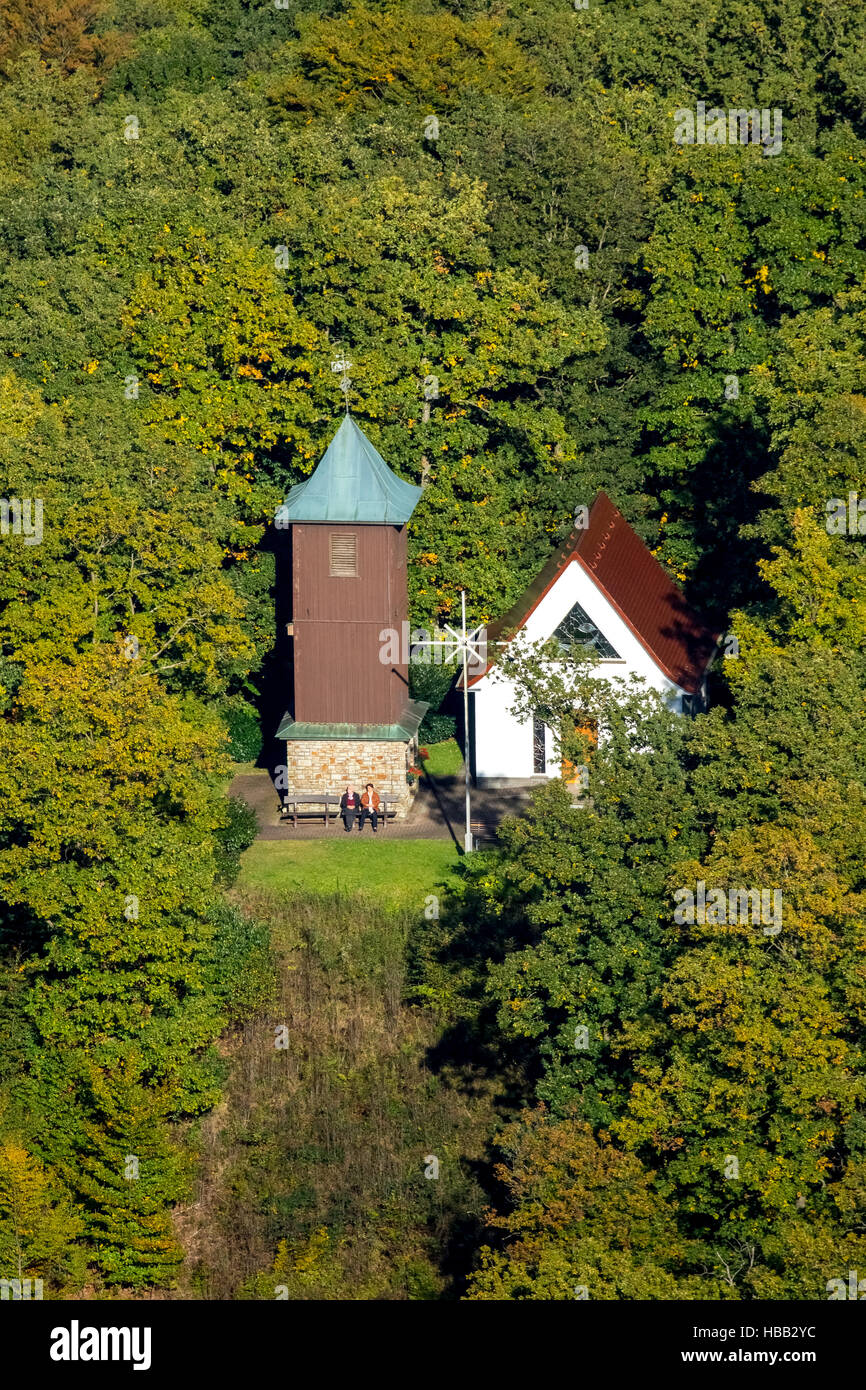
x=406 y=728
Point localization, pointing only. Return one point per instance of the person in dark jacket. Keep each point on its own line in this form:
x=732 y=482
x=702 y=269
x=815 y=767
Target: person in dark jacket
x=350 y=807
x=370 y=805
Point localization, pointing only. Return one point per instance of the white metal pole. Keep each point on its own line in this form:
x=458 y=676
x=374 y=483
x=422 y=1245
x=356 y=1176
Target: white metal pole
x=467 y=839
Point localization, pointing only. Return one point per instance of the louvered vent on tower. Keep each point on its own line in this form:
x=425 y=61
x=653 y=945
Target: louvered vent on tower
x=343 y=556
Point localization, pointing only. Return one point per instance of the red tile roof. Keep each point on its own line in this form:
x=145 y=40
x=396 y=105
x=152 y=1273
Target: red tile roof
x=634 y=583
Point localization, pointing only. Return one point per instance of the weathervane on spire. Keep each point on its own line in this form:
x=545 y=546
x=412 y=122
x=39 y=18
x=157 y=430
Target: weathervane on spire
x=342 y=364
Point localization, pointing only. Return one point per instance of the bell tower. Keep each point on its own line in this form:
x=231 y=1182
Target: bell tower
x=350 y=718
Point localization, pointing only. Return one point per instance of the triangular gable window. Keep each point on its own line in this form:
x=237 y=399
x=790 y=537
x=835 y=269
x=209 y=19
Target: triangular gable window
x=579 y=629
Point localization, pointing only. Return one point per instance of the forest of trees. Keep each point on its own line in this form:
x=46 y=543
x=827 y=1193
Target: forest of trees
x=203 y=202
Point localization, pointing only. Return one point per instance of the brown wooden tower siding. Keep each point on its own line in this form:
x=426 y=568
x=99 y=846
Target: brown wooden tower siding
x=350 y=716
x=349 y=584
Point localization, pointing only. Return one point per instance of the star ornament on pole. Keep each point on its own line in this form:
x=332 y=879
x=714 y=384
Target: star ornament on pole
x=471 y=646
x=468 y=644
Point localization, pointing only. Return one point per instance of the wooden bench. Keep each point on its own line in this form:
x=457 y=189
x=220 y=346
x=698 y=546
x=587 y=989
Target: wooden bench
x=321 y=803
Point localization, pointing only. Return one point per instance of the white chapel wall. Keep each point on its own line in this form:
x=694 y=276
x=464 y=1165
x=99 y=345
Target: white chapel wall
x=503 y=744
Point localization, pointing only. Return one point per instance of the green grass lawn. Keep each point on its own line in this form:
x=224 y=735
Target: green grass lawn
x=399 y=873
x=445 y=759
x=244 y=769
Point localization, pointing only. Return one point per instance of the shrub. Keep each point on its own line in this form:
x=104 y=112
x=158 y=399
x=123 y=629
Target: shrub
x=11 y=675
x=240 y=829
x=244 y=730
x=240 y=971
x=430 y=683
x=436 y=728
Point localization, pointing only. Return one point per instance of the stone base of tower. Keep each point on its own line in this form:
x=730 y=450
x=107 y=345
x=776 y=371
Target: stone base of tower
x=324 y=765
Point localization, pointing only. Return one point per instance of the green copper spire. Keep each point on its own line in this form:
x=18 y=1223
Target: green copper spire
x=351 y=483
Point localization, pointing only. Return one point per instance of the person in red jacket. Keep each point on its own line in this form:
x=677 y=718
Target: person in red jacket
x=370 y=804
x=350 y=807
